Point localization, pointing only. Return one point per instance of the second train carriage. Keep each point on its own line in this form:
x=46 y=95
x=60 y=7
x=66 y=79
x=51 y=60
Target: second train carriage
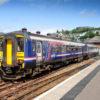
x=25 y=53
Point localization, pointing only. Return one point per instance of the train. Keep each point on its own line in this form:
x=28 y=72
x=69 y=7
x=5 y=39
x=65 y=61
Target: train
x=23 y=53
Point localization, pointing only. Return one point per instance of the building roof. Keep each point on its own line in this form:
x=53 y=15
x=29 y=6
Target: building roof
x=95 y=39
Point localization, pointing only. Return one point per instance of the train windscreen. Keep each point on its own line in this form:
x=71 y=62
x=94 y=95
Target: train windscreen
x=1 y=44
x=20 y=42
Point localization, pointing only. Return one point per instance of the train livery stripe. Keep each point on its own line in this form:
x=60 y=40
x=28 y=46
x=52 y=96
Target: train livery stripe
x=60 y=55
x=31 y=58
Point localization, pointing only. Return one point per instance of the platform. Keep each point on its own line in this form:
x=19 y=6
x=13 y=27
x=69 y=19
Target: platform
x=85 y=85
x=92 y=90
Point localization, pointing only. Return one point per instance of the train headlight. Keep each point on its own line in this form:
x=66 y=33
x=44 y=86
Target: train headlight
x=20 y=61
x=0 y=62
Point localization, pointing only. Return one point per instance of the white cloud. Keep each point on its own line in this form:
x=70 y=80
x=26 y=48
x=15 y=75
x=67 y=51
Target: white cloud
x=88 y=13
x=3 y=1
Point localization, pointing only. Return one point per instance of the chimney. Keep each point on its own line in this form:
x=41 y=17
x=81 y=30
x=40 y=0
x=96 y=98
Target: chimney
x=24 y=29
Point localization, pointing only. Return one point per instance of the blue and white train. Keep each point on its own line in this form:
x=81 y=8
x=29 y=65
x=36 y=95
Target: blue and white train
x=23 y=53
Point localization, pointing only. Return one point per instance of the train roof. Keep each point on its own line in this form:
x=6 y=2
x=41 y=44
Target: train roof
x=46 y=38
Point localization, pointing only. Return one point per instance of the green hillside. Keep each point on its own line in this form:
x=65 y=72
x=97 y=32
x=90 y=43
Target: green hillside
x=80 y=33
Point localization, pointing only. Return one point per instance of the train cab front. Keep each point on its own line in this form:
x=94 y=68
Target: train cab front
x=12 y=66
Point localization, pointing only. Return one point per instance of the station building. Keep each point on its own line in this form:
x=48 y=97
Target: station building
x=96 y=41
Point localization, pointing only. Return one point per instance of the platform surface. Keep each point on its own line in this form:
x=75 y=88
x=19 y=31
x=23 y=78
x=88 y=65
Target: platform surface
x=92 y=90
x=87 y=89
x=81 y=86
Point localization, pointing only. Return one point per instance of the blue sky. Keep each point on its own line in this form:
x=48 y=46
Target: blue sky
x=48 y=15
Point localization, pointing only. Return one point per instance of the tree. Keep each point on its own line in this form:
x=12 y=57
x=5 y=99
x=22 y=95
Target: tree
x=58 y=32
x=88 y=34
x=82 y=29
x=97 y=33
x=67 y=32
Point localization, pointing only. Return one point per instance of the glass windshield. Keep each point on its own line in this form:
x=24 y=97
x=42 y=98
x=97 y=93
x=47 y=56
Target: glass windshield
x=20 y=42
x=1 y=44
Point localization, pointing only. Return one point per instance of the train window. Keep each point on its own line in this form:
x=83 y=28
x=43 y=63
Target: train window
x=63 y=48
x=33 y=46
x=75 y=48
x=20 y=42
x=1 y=44
x=59 y=49
x=78 y=48
x=72 y=48
x=54 y=49
x=68 y=48
x=38 y=47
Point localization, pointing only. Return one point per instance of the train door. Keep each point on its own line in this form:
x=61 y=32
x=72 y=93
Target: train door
x=9 y=51
x=38 y=52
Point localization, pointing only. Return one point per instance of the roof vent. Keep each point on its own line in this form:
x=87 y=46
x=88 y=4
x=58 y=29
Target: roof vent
x=24 y=29
x=38 y=32
x=48 y=34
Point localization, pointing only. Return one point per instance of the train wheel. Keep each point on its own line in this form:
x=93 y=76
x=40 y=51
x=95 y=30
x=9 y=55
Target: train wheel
x=78 y=60
x=1 y=75
x=30 y=72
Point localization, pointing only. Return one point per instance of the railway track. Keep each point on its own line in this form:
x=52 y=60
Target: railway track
x=34 y=87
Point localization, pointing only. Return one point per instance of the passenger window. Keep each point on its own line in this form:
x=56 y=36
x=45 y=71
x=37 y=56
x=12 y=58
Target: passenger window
x=68 y=48
x=63 y=48
x=38 y=47
x=56 y=49
x=71 y=48
x=33 y=46
x=20 y=42
x=59 y=49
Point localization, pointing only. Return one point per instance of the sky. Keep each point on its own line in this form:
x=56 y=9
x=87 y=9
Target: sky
x=48 y=15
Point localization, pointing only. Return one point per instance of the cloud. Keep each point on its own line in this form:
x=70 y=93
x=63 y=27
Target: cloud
x=3 y=1
x=88 y=13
